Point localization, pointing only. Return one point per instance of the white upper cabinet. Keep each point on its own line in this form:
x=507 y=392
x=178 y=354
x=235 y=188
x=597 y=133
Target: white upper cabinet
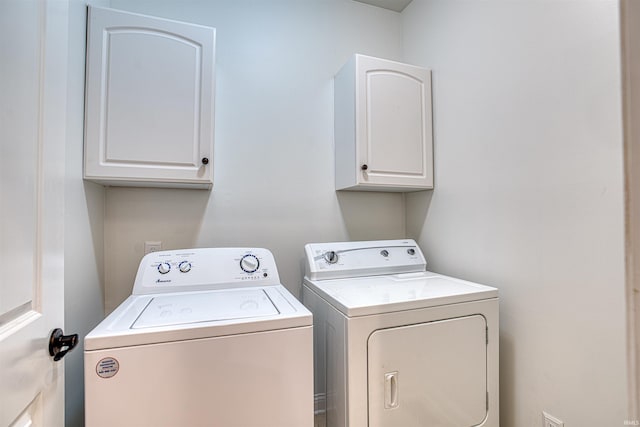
x=383 y=134
x=149 y=101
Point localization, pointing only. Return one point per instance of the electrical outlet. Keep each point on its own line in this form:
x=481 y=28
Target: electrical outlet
x=152 y=247
x=549 y=420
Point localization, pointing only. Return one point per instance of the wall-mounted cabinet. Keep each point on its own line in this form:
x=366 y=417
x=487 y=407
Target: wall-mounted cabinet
x=149 y=101
x=383 y=127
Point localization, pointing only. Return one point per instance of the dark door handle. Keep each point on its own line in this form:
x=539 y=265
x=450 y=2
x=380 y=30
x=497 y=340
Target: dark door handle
x=60 y=344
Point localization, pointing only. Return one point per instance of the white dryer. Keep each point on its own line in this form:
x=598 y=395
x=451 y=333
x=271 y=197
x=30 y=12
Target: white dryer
x=209 y=337
x=396 y=345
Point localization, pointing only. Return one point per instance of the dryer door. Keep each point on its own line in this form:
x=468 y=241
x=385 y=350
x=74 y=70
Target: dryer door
x=431 y=374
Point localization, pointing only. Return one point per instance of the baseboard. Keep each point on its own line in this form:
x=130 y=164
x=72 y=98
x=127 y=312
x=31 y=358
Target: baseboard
x=319 y=403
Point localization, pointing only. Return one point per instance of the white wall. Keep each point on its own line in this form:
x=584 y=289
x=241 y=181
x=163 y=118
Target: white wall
x=529 y=191
x=84 y=218
x=529 y=176
x=273 y=163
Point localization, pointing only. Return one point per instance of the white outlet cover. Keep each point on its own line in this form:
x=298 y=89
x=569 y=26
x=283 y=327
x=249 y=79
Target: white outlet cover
x=152 y=247
x=549 y=420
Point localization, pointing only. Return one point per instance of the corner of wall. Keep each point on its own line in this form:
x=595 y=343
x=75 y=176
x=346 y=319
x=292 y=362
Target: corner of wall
x=630 y=54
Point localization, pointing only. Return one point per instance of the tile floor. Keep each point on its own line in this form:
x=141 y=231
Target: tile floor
x=319 y=420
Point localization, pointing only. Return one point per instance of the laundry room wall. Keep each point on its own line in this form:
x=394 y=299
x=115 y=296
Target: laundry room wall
x=529 y=191
x=273 y=162
x=84 y=219
x=630 y=24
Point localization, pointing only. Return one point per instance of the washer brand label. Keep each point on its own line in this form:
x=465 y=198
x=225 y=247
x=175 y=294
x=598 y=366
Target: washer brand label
x=107 y=367
x=163 y=281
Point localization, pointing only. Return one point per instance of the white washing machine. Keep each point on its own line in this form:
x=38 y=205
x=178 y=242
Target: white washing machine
x=209 y=337
x=396 y=345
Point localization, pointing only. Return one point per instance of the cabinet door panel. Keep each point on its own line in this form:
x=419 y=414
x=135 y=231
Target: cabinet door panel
x=395 y=124
x=151 y=102
x=430 y=374
x=149 y=115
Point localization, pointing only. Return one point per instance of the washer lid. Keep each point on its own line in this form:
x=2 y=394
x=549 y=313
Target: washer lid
x=361 y=296
x=179 y=316
x=210 y=306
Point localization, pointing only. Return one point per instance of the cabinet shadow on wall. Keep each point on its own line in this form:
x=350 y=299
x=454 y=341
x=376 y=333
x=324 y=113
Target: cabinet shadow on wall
x=95 y=203
x=174 y=216
x=369 y=215
x=417 y=207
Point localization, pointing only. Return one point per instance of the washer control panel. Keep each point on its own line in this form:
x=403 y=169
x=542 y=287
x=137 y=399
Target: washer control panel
x=205 y=269
x=356 y=259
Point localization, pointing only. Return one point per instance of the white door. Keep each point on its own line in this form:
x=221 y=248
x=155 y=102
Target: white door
x=33 y=83
x=430 y=374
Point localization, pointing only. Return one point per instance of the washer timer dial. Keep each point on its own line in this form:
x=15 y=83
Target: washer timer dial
x=249 y=263
x=184 y=266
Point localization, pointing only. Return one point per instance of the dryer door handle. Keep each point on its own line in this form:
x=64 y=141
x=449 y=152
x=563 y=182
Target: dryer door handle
x=391 y=390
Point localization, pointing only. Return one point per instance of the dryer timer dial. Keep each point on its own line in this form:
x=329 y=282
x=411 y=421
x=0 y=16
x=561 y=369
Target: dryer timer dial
x=331 y=257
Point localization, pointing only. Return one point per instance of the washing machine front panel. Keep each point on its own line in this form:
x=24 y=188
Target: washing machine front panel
x=256 y=379
x=433 y=373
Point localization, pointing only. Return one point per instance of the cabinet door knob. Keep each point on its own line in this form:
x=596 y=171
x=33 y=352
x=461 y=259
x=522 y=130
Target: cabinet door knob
x=364 y=167
x=205 y=160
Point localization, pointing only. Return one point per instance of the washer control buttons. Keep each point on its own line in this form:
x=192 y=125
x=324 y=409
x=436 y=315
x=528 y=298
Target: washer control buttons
x=331 y=257
x=411 y=251
x=249 y=263
x=184 y=267
x=164 y=267
x=384 y=253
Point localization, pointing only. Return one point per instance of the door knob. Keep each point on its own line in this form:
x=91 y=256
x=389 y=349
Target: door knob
x=60 y=344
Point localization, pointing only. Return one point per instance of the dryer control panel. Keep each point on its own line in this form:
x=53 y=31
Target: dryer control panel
x=355 y=259
x=205 y=269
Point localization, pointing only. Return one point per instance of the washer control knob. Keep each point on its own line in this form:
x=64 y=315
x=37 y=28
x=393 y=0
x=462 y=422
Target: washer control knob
x=331 y=257
x=411 y=251
x=249 y=263
x=184 y=267
x=164 y=267
x=384 y=253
